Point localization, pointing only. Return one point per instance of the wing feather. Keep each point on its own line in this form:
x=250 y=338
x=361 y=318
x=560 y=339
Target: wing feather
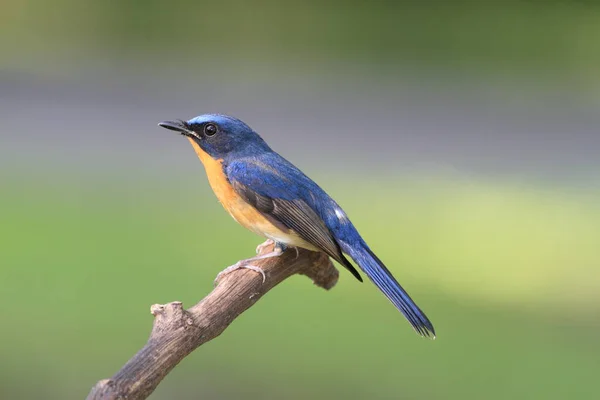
x=297 y=215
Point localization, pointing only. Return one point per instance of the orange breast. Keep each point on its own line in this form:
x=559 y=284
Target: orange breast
x=245 y=214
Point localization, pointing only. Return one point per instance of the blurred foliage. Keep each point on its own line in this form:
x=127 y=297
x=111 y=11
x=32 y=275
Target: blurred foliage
x=508 y=274
x=503 y=37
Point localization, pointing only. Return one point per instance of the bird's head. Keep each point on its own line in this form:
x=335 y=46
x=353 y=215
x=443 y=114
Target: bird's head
x=219 y=135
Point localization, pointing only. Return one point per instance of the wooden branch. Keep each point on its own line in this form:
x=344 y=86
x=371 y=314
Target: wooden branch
x=177 y=332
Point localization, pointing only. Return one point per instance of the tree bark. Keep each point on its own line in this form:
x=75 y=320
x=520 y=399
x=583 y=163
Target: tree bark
x=177 y=332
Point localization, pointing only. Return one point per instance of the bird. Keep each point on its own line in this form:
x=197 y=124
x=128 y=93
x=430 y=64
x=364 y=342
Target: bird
x=271 y=197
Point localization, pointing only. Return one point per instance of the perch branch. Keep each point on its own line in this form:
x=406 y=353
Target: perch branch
x=177 y=332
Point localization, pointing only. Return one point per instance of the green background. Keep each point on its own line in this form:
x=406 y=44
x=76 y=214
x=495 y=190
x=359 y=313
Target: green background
x=104 y=215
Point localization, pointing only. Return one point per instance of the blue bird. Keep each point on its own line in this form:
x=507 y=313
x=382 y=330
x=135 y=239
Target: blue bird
x=270 y=196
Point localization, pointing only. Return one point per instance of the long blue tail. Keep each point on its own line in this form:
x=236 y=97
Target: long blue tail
x=383 y=279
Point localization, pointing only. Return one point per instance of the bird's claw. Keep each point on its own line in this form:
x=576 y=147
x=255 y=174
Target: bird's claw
x=238 y=266
x=263 y=245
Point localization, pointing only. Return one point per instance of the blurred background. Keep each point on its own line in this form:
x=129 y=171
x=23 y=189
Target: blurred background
x=462 y=139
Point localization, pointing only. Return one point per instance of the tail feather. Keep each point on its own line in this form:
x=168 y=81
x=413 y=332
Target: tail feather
x=383 y=279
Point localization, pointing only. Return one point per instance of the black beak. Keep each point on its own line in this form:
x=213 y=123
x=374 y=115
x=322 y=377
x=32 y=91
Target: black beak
x=177 y=126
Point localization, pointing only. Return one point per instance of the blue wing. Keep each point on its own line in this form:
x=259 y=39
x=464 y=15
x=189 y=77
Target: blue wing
x=281 y=191
x=287 y=197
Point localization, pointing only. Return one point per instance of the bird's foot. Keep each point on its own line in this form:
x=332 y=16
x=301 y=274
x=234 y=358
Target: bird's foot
x=238 y=265
x=280 y=247
x=277 y=251
x=264 y=245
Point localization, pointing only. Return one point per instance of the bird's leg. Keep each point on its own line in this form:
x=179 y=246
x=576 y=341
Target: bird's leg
x=262 y=246
x=283 y=247
x=277 y=251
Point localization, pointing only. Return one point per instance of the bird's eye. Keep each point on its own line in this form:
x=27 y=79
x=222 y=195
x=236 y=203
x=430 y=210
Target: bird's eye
x=210 y=129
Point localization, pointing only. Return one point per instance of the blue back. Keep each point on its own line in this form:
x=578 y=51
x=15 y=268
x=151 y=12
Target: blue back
x=271 y=175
